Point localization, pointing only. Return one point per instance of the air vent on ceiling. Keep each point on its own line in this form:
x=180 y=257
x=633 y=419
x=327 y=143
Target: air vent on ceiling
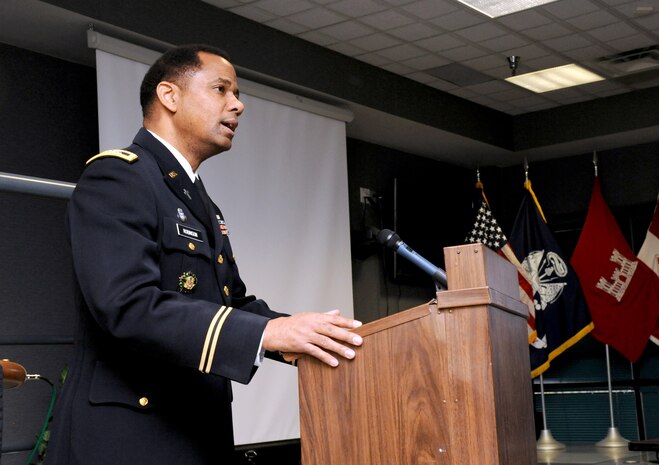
x=631 y=61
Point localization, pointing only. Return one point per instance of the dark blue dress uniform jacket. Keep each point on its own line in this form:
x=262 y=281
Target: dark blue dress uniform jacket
x=149 y=381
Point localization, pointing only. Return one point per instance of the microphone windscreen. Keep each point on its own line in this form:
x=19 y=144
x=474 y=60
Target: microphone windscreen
x=388 y=238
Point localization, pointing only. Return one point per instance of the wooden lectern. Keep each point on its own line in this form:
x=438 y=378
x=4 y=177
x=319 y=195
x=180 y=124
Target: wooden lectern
x=443 y=383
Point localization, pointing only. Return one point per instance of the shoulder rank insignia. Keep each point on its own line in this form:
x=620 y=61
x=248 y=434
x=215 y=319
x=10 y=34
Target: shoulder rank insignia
x=125 y=155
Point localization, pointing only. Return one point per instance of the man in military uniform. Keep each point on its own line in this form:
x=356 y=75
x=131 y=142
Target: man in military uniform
x=165 y=320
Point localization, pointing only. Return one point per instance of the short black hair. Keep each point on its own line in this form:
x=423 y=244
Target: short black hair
x=172 y=66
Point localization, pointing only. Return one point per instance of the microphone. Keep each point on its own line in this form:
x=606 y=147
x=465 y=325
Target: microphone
x=391 y=240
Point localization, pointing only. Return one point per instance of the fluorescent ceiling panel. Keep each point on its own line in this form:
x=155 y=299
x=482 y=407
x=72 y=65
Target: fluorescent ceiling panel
x=496 y=8
x=555 y=78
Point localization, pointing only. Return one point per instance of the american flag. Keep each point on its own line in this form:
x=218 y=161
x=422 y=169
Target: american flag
x=486 y=230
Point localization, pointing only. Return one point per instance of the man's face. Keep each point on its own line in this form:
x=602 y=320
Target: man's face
x=208 y=108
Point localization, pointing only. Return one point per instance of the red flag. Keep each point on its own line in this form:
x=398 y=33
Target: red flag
x=649 y=253
x=622 y=292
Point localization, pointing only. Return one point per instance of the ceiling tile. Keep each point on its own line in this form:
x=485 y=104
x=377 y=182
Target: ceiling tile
x=527 y=19
x=346 y=48
x=423 y=78
x=316 y=17
x=317 y=38
x=289 y=27
x=401 y=52
x=650 y=22
x=428 y=9
x=253 y=13
x=491 y=87
x=440 y=43
x=602 y=86
x=508 y=42
x=398 y=2
x=457 y=20
x=612 y=92
x=398 y=68
x=575 y=99
x=481 y=32
x=510 y=94
x=570 y=42
x=373 y=59
x=545 y=62
x=283 y=7
x=632 y=42
x=549 y=31
x=464 y=53
x=586 y=54
x=593 y=20
x=565 y=9
x=614 y=2
x=386 y=20
x=426 y=61
x=442 y=85
x=487 y=62
x=612 y=31
x=530 y=52
x=531 y=99
x=347 y=30
x=376 y=41
x=355 y=9
x=414 y=32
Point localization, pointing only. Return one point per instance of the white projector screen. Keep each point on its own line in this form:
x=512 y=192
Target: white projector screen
x=283 y=189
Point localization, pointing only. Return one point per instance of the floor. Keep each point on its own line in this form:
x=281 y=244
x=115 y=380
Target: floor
x=586 y=454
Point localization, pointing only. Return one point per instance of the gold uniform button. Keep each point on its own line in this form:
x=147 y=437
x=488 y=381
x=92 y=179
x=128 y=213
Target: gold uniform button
x=220 y=259
x=143 y=401
x=226 y=291
x=191 y=246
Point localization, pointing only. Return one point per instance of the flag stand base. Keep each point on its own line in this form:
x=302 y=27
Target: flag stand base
x=613 y=439
x=547 y=441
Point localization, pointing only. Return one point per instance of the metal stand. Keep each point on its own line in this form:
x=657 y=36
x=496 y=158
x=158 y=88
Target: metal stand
x=613 y=438
x=546 y=440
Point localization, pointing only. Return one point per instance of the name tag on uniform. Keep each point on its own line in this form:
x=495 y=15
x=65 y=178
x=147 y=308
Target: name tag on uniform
x=188 y=232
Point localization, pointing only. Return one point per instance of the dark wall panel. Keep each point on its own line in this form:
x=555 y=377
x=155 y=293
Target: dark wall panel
x=48 y=122
x=37 y=289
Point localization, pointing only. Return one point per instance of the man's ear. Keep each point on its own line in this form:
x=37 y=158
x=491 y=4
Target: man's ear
x=168 y=95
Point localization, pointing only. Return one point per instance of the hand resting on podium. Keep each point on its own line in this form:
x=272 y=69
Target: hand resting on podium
x=317 y=334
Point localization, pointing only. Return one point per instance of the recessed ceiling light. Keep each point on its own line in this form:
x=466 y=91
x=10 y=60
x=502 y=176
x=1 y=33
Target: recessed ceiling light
x=496 y=8
x=555 y=78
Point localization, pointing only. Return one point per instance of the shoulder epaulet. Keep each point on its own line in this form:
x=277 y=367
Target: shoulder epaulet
x=125 y=155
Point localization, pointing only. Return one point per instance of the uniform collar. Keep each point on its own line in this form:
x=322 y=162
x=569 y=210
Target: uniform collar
x=178 y=155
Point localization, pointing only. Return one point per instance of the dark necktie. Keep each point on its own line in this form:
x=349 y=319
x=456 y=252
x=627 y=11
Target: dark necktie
x=204 y=196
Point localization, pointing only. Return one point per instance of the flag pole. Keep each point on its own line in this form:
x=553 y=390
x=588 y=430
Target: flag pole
x=546 y=441
x=613 y=438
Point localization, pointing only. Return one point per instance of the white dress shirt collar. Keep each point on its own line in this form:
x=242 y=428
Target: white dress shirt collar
x=179 y=157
